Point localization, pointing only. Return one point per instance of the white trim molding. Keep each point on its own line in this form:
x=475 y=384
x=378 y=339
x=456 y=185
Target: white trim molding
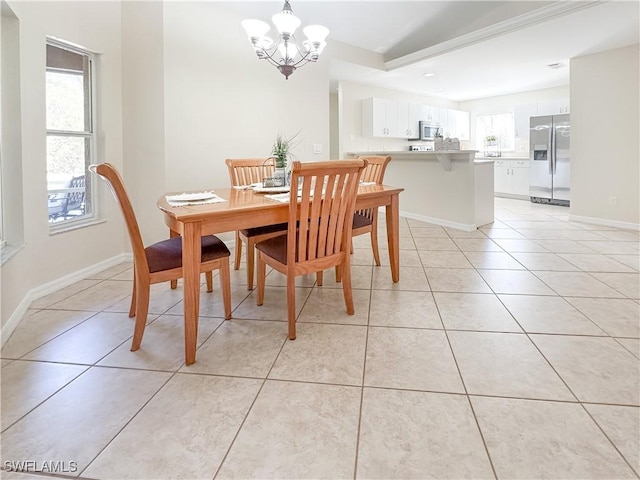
x=606 y=222
x=467 y=227
x=53 y=286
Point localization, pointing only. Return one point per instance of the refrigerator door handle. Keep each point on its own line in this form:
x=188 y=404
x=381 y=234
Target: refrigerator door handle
x=552 y=157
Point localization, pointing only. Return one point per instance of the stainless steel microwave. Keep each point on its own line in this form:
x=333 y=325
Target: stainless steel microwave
x=429 y=130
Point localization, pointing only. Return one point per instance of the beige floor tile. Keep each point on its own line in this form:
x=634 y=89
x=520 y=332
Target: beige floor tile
x=533 y=439
x=297 y=430
x=542 y=314
x=626 y=283
x=440 y=429
x=326 y=305
x=518 y=245
x=27 y=384
x=632 y=261
x=593 y=262
x=431 y=232
x=503 y=233
x=515 y=281
x=364 y=256
x=405 y=243
x=243 y=348
x=533 y=234
x=211 y=304
x=544 y=261
x=112 y=271
x=493 y=260
x=277 y=279
x=88 y=342
x=505 y=364
x=613 y=248
x=631 y=344
x=460 y=280
x=404 y=309
x=68 y=468
x=474 y=311
x=597 y=369
x=57 y=296
x=582 y=235
x=191 y=444
x=411 y=278
x=161 y=299
x=477 y=245
x=622 y=426
x=274 y=307
x=434 y=243
x=411 y=359
x=323 y=353
x=162 y=346
x=39 y=328
x=444 y=259
x=563 y=246
x=617 y=317
x=408 y=258
x=97 y=297
x=621 y=235
x=360 y=277
x=577 y=284
x=80 y=420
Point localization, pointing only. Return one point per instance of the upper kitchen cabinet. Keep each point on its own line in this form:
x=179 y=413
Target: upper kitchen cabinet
x=521 y=115
x=416 y=114
x=379 y=118
x=553 y=107
x=455 y=123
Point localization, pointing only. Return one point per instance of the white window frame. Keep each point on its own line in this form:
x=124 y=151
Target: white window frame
x=90 y=184
x=506 y=142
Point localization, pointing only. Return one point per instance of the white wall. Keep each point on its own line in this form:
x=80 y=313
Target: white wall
x=605 y=150
x=222 y=102
x=45 y=257
x=350 y=96
x=505 y=104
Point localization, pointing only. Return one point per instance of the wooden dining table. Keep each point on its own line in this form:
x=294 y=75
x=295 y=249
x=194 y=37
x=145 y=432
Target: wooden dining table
x=245 y=208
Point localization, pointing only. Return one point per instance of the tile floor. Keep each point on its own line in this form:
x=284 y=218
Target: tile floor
x=508 y=352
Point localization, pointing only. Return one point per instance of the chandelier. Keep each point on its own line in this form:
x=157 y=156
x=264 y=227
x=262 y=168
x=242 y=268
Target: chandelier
x=286 y=54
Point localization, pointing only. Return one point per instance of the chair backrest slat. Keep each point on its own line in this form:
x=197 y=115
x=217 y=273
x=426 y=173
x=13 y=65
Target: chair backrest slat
x=374 y=172
x=324 y=210
x=112 y=177
x=245 y=171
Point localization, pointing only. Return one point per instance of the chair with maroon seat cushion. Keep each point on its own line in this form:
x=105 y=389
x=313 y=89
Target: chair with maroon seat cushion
x=243 y=172
x=319 y=229
x=366 y=221
x=161 y=261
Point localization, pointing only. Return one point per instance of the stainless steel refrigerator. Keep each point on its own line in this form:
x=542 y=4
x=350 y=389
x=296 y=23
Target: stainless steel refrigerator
x=549 y=161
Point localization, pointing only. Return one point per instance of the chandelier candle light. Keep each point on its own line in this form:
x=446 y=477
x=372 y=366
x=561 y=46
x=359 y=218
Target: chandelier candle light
x=286 y=54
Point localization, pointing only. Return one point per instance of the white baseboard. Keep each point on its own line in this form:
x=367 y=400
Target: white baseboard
x=605 y=222
x=439 y=221
x=53 y=286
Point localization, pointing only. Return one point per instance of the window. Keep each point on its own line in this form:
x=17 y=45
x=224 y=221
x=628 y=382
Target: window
x=70 y=134
x=495 y=132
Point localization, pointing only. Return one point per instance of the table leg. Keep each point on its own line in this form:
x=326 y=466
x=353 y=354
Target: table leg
x=393 y=236
x=191 y=251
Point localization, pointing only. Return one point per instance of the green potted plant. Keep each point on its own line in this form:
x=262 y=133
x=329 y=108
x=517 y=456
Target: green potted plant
x=281 y=151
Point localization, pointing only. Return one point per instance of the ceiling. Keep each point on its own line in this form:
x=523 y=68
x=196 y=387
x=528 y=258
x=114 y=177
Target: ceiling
x=475 y=49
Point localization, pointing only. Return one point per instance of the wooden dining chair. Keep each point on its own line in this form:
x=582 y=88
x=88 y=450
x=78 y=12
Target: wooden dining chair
x=161 y=261
x=319 y=229
x=366 y=221
x=245 y=171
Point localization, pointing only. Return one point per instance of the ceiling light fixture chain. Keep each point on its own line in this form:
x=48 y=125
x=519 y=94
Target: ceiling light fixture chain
x=286 y=54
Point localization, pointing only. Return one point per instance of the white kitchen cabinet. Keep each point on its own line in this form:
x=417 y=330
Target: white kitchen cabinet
x=521 y=116
x=511 y=177
x=553 y=107
x=403 y=119
x=379 y=118
x=456 y=124
x=417 y=113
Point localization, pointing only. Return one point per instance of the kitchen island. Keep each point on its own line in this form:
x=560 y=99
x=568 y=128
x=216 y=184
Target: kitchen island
x=449 y=188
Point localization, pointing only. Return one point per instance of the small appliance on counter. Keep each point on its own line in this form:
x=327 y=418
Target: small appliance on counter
x=427 y=147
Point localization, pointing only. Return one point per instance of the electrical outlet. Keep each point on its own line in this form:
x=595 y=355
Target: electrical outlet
x=317 y=148
x=613 y=201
